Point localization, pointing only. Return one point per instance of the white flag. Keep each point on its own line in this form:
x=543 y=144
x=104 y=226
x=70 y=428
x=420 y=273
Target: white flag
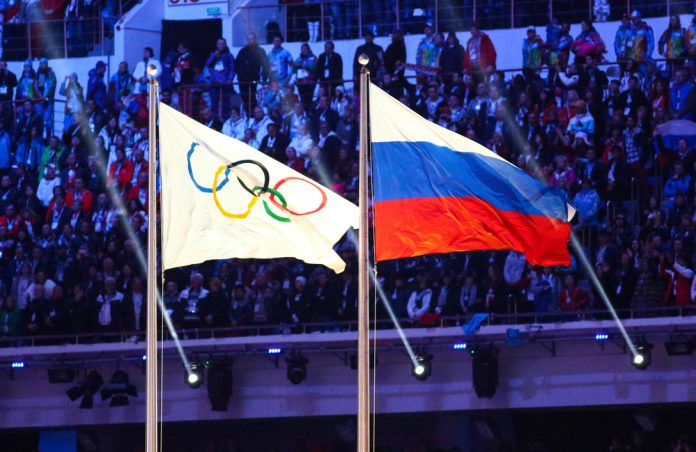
x=222 y=198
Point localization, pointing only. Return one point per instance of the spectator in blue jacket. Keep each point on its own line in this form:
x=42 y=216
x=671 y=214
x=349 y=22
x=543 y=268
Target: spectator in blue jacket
x=96 y=86
x=680 y=91
x=280 y=61
x=220 y=66
x=677 y=184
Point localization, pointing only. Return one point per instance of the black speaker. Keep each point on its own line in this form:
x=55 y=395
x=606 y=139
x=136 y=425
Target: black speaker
x=219 y=386
x=485 y=372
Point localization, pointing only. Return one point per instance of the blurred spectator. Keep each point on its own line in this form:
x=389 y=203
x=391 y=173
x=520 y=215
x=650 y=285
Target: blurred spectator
x=642 y=38
x=306 y=75
x=234 y=125
x=273 y=143
x=672 y=43
x=330 y=69
x=183 y=69
x=452 y=57
x=252 y=67
x=532 y=48
x=623 y=40
x=140 y=73
x=46 y=84
x=428 y=52
x=480 y=54
x=395 y=55
x=280 y=62
x=682 y=96
x=572 y=298
x=588 y=42
x=374 y=53
x=8 y=83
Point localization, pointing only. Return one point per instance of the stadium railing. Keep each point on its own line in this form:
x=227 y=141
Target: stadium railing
x=348 y=19
x=63 y=38
x=510 y=318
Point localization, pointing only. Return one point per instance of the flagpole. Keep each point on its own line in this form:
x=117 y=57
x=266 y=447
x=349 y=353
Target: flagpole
x=363 y=269
x=151 y=399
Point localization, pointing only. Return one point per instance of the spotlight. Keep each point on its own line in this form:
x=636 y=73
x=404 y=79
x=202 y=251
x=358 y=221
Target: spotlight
x=219 y=386
x=485 y=371
x=61 y=374
x=679 y=348
x=422 y=368
x=119 y=389
x=297 y=368
x=643 y=357
x=86 y=389
x=195 y=375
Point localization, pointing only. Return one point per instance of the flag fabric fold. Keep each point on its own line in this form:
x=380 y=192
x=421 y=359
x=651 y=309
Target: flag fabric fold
x=436 y=191
x=222 y=198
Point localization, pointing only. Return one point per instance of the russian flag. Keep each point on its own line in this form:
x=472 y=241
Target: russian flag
x=436 y=191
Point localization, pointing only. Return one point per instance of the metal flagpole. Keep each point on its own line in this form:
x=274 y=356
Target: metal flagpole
x=151 y=440
x=363 y=269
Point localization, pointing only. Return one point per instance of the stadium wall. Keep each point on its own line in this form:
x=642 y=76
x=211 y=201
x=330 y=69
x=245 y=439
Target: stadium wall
x=586 y=373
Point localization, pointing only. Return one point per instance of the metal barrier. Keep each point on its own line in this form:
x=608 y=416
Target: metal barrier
x=511 y=317
x=348 y=19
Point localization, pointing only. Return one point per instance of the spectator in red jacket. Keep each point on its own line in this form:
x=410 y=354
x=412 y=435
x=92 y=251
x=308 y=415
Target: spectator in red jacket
x=11 y=220
x=678 y=278
x=571 y=298
x=81 y=193
x=480 y=53
x=139 y=190
x=121 y=170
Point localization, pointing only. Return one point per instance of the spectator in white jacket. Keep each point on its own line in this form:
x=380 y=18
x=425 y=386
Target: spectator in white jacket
x=419 y=301
x=235 y=125
x=46 y=185
x=303 y=141
x=140 y=72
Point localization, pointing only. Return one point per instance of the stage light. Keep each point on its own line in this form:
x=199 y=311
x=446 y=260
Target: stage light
x=118 y=389
x=679 y=348
x=18 y=364
x=643 y=356
x=86 y=389
x=459 y=346
x=144 y=357
x=485 y=371
x=195 y=375
x=61 y=374
x=219 y=386
x=297 y=368
x=601 y=336
x=422 y=368
x=275 y=351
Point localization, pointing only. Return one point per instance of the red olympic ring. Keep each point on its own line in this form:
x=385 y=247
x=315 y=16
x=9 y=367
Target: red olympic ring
x=280 y=206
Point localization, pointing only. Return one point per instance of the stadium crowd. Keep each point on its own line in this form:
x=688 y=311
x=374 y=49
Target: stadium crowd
x=73 y=202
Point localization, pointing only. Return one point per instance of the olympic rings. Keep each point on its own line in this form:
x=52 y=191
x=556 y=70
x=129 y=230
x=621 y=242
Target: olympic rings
x=256 y=192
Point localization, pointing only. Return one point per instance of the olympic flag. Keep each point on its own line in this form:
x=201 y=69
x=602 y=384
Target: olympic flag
x=222 y=198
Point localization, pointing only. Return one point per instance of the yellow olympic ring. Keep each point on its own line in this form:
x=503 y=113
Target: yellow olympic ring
x=217 y=201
